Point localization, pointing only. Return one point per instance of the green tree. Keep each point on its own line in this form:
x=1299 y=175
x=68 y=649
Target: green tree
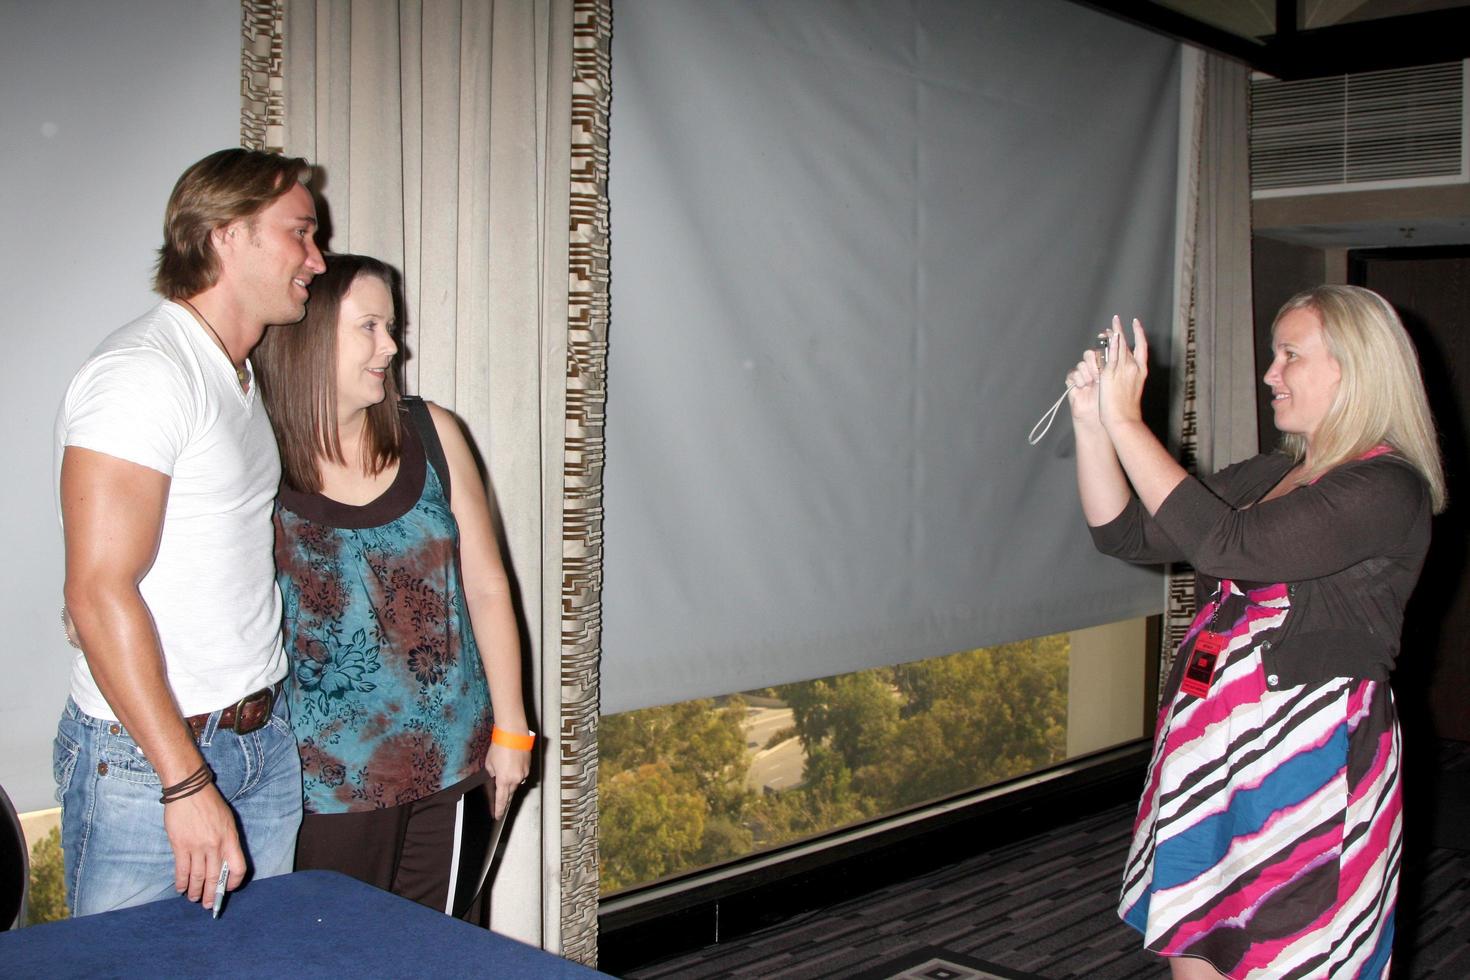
x=856 y=714
x=974 y=719
x=823 y=802
x=684 y=764
x=724 y=838
x=651 y=822
x=46 y=901
x=701 y=739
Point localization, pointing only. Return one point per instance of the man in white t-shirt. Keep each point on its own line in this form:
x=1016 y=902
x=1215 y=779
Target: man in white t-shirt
x=174 y=755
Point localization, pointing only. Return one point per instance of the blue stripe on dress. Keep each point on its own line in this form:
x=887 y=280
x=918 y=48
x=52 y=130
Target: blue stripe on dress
x=1182 y=857
x=1377 y=964
x=1137 y=916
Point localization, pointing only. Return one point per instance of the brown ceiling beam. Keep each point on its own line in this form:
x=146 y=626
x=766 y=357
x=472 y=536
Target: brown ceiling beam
x=1165 y=20
x=1402 y=41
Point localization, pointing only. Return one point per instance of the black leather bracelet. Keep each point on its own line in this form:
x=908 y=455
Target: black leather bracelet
x=189 y=785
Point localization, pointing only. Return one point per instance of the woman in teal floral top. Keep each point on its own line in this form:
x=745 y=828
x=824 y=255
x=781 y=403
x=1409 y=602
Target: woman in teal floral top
x=397 y=607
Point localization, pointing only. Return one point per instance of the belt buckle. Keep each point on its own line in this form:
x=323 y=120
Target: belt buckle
x=268 y=695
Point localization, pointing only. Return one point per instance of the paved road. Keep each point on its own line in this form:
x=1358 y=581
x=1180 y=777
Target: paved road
x=778 y=767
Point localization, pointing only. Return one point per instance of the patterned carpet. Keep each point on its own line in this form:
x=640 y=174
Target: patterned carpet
x=1043 y=909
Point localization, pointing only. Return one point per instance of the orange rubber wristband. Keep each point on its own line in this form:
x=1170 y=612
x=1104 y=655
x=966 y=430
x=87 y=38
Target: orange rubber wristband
x=512 y=740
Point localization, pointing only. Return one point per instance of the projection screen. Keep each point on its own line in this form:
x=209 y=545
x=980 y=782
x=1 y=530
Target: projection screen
x=855 y=249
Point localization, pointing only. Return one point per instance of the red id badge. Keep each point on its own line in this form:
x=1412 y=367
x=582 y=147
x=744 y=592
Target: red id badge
x=1201 y=668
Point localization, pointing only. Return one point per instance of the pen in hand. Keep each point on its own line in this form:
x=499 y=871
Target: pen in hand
x=219 y=887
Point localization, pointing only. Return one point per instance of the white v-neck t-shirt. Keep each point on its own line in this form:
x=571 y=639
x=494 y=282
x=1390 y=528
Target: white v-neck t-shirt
x=159 y=392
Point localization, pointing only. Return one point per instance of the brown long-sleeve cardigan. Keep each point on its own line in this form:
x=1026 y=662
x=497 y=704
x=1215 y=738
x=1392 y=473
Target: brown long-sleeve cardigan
x=1349 y=547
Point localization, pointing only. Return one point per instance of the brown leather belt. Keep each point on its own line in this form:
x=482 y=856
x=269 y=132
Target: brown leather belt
x=246 y=715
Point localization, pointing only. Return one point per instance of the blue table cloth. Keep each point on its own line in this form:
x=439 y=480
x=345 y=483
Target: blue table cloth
x=307 y=924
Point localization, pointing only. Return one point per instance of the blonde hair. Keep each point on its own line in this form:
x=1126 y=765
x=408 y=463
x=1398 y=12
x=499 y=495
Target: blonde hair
x=1380 y=398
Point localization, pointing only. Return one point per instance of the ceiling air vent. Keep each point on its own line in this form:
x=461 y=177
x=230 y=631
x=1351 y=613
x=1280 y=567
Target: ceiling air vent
x=1399 y=128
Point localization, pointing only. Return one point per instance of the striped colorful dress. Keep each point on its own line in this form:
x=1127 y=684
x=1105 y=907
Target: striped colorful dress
x=1268 y=837
x=1269 y=834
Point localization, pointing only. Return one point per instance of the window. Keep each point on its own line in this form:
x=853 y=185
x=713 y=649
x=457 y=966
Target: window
x=689 y=785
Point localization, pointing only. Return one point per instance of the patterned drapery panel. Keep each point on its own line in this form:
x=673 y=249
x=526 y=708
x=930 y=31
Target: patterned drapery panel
x=262 y=86
x=1179 y=603
x=587 y=317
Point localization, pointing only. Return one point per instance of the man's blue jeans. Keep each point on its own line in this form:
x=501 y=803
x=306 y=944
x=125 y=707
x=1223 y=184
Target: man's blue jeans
x=115 y=850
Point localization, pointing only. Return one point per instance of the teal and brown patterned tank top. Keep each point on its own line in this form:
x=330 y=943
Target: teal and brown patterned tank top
x=388 y=694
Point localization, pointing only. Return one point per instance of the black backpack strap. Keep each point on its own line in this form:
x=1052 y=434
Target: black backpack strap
x=423 y=425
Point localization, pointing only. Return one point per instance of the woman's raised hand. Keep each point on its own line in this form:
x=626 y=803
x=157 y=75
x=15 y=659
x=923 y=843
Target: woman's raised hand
x=1082 y=389
x=1121 y=392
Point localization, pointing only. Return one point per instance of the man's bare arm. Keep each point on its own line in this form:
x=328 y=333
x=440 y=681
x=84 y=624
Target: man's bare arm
x=113 y=514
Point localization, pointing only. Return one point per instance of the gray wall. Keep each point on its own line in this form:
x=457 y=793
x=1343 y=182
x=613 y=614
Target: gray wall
x=102 y=105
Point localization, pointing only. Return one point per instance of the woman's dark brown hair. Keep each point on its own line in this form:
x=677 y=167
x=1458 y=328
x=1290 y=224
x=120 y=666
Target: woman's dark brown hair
x=296 y=366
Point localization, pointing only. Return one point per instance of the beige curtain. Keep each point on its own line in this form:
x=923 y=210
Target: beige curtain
x=444 y=133
x=1213 y=418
